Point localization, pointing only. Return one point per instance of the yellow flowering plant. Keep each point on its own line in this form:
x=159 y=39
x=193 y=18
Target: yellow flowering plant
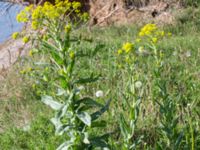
x=147 y=40
x=128 y=60
x=54 y=74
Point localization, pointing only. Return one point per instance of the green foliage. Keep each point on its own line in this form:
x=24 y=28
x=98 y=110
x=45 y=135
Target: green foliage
x=191 y=3
x=153 y=81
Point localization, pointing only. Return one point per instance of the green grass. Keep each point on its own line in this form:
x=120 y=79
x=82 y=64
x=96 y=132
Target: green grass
x=20 y=106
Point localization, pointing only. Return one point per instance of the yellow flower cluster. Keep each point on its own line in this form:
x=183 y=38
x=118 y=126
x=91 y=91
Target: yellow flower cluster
x=126 y=54
x=15 y=35
x=147 y=38
x=147 y=30
x=22 y=16
x=127 y=47
x=72 y=55
x=152 y=33
x=25 y=39
x=48 y=12
x=68 y=28
x=27 y=70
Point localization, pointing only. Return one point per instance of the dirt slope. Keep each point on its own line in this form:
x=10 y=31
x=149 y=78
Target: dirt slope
x=107 y=12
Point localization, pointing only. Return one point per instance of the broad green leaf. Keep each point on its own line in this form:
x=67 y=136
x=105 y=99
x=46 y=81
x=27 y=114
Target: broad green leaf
x=85 y=118
x=99 y=124
x=59 y=127
x=98 y=113
x=65 y=146
x=87 y=80
x=101 y=141
x=89 y=102
x=48 y=100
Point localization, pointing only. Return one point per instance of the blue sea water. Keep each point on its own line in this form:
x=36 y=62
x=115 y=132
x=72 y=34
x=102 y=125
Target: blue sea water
x=8 y=23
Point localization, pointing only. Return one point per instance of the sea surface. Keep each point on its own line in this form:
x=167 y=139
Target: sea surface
x=8 y=23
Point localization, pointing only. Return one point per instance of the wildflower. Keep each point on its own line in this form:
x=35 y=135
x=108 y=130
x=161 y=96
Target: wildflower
x=29 y=69
x=46 y=69
x=138 y=84
x=22 y=17
x=147 y=29
x=28 y=8
x=127 y=47
x=45 y=37
x=76 y=5
x=120 y=51
x=23 y=71
x=99 y=93
x=169 y=34
x=25 y=39
x=119 y=66
x=34 y=25
x=34 y=86
x=15 y=35
x=162 y=33
x=154 y=40
x=68 y=28
x=31 y=53
x=85 y=16
x=72 y=55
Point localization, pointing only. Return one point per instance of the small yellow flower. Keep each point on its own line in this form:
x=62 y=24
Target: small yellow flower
x=25 y=39
x=76 y=5
x=154 y=40
x=68 y=28
x=29 y=69
x=34 y=25
x=22 y=17
x=34 y=86
x=85 y=16
x=15 y=35
x=127 y=47
x=46 y=69
x=120 y=51
x=23 y=71
x=72 y=55
x=162 y=33
x=29 y=8
x=148 y=29
x=119 y=66
x=169 y=34
x=45 y=37
x=31 y=53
